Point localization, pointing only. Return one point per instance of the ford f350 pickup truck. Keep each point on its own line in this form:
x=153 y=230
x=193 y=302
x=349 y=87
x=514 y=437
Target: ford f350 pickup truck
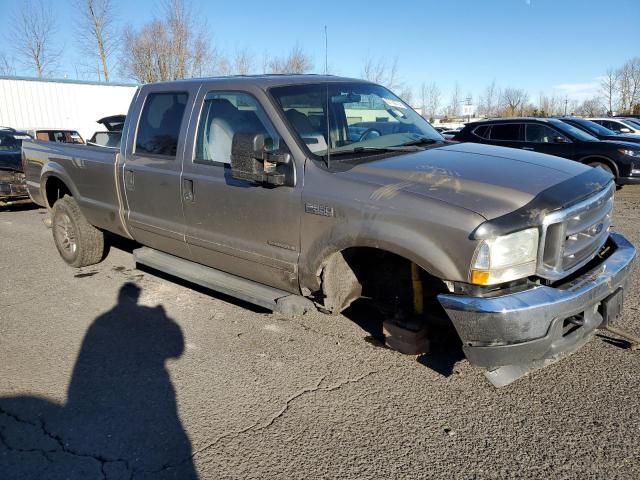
x=262 y=188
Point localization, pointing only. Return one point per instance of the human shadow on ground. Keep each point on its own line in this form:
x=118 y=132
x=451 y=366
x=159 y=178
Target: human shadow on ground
x=120 y=419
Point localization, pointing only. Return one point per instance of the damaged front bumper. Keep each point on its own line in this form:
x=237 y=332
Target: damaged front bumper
x=13 y=189
x=543 y=323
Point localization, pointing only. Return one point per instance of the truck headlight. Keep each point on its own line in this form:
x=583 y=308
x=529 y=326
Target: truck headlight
x=505 y=258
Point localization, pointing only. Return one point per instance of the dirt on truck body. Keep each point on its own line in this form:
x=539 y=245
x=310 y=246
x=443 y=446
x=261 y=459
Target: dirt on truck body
x=270 y=189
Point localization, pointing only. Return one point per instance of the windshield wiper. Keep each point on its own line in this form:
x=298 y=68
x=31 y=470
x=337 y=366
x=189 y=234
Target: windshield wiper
x=419 y=141
x=395 y=148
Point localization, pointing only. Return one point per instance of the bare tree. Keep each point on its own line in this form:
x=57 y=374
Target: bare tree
x=454 y=102
x=169 y=49
x=629 y=84
x=6 y=66
x=97 y=32
x=515 y=100
x=297 y=61
x=609 y=88
x=591 y=107
x=382 y=72
x=406 y=94
x=488 y=103
x=33 y=30
x=430 y=100
x=243 y=62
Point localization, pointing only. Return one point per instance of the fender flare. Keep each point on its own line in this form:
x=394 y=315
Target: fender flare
x=55 y=170
x=403 y=242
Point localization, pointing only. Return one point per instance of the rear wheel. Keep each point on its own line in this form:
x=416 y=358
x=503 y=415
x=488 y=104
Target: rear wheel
x=79 y=243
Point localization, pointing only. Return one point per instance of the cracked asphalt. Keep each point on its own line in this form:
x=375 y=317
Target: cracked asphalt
x=110 y=372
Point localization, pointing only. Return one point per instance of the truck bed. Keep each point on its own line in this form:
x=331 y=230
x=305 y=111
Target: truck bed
x=89 y=170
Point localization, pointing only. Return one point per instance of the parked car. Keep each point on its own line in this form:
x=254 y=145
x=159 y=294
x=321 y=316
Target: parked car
x=618 y=125
x=633 y=120
x=113 y=135
x=450 y=134
x=13 y=188
x=555 y=137
x=600 y=132
x=60 y=135
x=224 y=182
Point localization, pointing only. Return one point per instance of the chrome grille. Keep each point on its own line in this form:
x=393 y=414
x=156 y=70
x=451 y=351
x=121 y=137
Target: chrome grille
x=571 y=237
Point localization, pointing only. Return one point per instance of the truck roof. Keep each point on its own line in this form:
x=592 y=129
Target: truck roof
x=267 y=81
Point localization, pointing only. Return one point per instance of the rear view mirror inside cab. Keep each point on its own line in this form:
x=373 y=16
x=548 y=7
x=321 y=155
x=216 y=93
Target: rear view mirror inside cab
x=346 y=98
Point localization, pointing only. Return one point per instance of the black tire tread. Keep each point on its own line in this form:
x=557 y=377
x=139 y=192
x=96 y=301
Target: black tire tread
x=91 y=245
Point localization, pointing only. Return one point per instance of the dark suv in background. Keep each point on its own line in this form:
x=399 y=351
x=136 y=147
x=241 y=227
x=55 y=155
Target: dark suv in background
x=555 y=137
x=13 y=188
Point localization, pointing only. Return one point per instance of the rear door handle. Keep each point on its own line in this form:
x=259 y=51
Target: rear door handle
x=129 y=180
x=187 y=190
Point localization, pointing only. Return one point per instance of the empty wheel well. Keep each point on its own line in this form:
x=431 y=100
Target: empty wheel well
x=388 y=279
x=55 y=189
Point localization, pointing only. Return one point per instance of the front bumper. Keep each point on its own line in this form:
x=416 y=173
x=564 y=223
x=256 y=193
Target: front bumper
x=12 y=193
x=524 y=327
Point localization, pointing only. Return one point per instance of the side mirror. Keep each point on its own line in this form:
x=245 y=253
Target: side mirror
x=625 y=130
x=560 y=139
x=253 y=158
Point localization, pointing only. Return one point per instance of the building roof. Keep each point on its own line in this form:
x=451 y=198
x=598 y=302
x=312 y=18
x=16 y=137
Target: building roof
x=66 y=80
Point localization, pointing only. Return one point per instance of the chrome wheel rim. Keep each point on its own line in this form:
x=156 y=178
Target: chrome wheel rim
x=66 y=235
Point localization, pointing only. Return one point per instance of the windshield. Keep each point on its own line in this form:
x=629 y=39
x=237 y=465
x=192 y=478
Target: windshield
x=592 y=127
x=575 y=132
x=362 y=116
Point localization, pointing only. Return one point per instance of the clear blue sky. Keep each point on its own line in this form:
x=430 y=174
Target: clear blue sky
x=555 y=46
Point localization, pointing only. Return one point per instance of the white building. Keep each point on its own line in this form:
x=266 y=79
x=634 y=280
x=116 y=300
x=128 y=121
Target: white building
x=69 y=104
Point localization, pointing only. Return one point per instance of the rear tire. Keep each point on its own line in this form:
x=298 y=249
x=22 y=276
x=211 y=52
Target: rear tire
x=79 y=243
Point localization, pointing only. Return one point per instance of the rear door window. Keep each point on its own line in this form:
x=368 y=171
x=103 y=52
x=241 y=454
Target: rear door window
x=537 y=133
x=508 y=132
x=159 y=127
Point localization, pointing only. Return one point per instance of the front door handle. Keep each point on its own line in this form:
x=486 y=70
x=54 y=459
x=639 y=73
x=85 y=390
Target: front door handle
x=187 y=190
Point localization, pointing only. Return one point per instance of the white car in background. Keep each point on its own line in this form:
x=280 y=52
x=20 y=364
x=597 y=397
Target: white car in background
x=618 y=125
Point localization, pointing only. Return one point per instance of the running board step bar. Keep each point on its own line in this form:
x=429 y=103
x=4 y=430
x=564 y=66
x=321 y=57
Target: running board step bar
x=267 y=297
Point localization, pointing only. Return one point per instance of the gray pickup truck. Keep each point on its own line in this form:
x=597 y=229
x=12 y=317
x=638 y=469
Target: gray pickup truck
x=299 y=192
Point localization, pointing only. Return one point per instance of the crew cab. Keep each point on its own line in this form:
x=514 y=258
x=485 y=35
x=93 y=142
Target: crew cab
x=258 y=188
x=555 y=137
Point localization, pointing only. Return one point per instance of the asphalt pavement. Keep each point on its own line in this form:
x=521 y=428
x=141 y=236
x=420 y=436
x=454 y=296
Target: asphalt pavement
x=109 y=372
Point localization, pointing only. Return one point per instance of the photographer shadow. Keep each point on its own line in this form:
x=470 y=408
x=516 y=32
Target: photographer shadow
x=120 y=419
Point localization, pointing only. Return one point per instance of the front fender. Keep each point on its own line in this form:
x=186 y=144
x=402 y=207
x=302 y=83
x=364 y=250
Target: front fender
x=445 y=260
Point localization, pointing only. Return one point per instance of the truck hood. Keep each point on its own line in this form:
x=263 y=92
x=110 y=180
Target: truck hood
x=488 y=180
x=11 y=161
